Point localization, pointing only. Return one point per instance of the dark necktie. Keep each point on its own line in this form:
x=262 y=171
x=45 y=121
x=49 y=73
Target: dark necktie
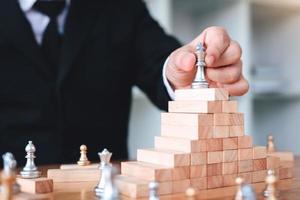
x=51 y=43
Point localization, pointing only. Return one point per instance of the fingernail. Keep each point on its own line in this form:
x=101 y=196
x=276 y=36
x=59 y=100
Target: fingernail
x=210 y=60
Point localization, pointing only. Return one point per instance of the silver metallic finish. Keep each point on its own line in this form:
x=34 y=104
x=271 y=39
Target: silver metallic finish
x=200 y=81
x=110 y=191
x=30 y=170
x=153 y=190
x=266 y=192
x=248 y=192
x=9 y=168
x=105 y=157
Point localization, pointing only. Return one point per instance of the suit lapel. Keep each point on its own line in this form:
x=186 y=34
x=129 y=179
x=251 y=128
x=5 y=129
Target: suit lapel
x=82 y=15
x=20 y=32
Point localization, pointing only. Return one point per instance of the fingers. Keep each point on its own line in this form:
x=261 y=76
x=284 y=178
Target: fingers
x=226 y=74
x=238 y=88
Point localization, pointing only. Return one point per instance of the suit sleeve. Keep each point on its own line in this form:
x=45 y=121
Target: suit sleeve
x=152 y=48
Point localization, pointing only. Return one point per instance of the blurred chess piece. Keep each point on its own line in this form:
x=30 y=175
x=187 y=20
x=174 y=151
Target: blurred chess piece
x=8 y=177
x=105 y=157
x=200 y=81
x=153 y=190
x=239 y=193
x=30 y=170
x=83 y=160
x=270 y=191
x=270 y=145
x=110 y=191
x=248 y=192
x=190 y=193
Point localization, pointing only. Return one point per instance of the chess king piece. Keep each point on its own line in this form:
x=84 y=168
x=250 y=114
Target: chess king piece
x=239 y=194
x=270 y=145
x=200 y=81
x=30 y=170
x=110 y=191
x=270 y=191
x=248 y=192
x=105 y=157
x=83 y=160
x=153 y=191
x=8 y=177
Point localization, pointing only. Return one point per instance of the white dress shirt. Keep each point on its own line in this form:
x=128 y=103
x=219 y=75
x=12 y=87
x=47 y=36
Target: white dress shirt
x=40 y=21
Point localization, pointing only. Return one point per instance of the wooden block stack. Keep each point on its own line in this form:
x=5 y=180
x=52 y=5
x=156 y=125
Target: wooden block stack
x=202 y=144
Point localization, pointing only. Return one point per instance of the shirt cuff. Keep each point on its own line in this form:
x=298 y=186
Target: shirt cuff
x=166 y=82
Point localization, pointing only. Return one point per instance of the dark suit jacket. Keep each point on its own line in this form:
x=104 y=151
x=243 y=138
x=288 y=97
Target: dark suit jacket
x=109 y=46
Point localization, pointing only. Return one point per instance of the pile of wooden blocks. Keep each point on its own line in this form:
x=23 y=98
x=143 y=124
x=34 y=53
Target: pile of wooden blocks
x=202 y=144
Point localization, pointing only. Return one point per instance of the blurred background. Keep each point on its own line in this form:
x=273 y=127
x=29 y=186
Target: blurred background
x=268 y=31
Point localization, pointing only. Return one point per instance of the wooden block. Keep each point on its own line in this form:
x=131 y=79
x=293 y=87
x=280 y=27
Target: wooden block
x=180 y=173
x=195 y=106
x=221 y=132
x=230 y=143
x=235 y=131
x=207 y=94
x=214 y=169
x=245 y=154
x=214 y=157
x=229 y=119
x=230 y=155
x=137 y=188
x=180 y=144
x=259 y=152
x=245 y=142
x=199 y=183
x=147 y=171
x=229 y=180
x=273 y=162
x=245 y=166
x=214 y=182
x=36 y=185
x=199 y=158
x=198 y=171
x=163 y=157
x=188 y=126
x=74 y=175
x=259 y=164
x=181 y=186
x=75 y=166
x=214 y=144
x=247 y=176
x=285 y=173
x=259 y=176
x=229 y=106
x=230 y=168
x=284 y=156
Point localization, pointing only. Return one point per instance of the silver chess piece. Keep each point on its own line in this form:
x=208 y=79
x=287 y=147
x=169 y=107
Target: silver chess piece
x=30 y=170
x=248 y=192
x=200 y=81
x=270 y=192
x=9 y=169
x=105 y=157
x=110 y=191
x=153 y=191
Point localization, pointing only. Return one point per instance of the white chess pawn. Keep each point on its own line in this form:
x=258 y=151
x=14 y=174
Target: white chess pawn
x=110 y=191
x=153 y=191
x=83 y=160
x=270 y=144
x=105 y=157
x=30 y=170
x=239 y=194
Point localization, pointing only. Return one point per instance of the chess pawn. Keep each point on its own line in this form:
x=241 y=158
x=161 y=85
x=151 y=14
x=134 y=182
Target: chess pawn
x=270 y=191
x=105 y=157
x=30 y=170
x=239 y=194
x=270 y=145
x=83 y=160
x=153 y=190
x=110 y=191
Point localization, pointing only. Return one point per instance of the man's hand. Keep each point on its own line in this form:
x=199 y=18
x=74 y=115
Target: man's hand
x=223 y=60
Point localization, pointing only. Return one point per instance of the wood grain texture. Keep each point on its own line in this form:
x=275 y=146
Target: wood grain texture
x=207 y=94
x=235 y=131
x=76 y=166
x=259 y=164
x=198 y=171
x=180 y=144
x=180 y=173
x=259 y=176
x=73 y=175
x=247 y=176
x=273 y=162
x=285 y=173
x=36 y=185
x=180 y=186
x=214 y=182
x=230 y=143
x=245 y=166
x=259 y=152
x=163 y=157
x=230 y=155
x=214 y=157
x=245 y=142
x=230 y=106
x=214 y=169
x=245 y=154
x=228 y=119
x=221 y=132
x=199 y=183
x=229 y=180
x=199 y=158
x=195 y=106
x=230 y=168
x=214 y=144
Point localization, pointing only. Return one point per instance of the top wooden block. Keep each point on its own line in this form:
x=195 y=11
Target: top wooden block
x=207 y=94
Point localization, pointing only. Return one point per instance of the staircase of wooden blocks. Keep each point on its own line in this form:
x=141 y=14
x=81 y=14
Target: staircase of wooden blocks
x=202 y=144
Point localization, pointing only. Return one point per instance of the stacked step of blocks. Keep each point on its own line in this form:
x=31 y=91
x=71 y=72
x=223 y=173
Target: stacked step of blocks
x=202 y=144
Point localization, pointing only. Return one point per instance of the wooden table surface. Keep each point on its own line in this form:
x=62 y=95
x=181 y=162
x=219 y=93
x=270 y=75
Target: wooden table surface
x=289 y=189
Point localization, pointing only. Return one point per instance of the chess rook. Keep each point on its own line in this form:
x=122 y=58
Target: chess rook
x=83 y=160
x=200 y=81
x=30 y=170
